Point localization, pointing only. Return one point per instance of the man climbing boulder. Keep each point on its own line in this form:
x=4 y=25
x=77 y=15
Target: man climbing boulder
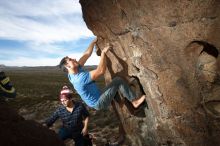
x=84 y=81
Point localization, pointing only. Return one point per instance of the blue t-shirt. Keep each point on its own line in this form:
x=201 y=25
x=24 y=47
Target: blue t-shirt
x=85 y=87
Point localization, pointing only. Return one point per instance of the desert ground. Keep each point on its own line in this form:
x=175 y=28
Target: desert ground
x=37 y=97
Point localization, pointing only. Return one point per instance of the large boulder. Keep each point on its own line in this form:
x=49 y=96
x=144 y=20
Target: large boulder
x=171 y=49
x=15 y=130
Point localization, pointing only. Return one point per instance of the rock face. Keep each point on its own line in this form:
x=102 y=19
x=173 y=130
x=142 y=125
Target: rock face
x=14 y=130
x=172 y=50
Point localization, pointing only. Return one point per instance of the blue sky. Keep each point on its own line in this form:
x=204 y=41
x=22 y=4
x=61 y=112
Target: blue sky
x=41 y=32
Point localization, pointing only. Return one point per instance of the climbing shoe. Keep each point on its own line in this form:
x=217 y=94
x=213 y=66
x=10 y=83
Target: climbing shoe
x=6 y=88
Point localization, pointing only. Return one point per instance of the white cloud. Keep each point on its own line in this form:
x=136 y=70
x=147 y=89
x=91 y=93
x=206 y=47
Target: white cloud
x=42 y=21
x=23 y=61
x=44 y=30
x=40 y=7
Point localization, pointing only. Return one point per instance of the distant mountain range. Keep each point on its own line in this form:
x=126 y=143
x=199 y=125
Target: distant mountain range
x=3 y=67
